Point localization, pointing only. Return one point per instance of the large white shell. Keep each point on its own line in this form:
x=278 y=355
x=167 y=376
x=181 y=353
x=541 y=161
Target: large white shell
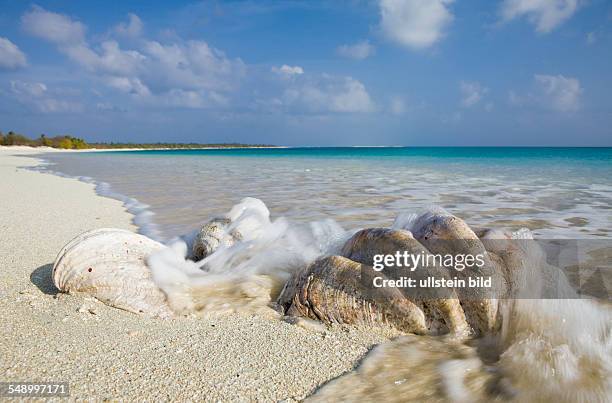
x=109 y=264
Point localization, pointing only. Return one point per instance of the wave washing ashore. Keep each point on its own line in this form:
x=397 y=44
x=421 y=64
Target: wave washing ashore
x=540 y=350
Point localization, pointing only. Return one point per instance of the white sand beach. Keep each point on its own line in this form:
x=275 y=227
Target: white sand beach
x=106 y=353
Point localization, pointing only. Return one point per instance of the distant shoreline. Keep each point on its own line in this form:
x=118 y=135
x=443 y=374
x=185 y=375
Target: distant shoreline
x=93 y=149
x=67 y=142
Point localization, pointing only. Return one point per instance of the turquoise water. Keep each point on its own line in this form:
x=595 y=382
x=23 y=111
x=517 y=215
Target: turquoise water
x=560 y=192
x=507 y=154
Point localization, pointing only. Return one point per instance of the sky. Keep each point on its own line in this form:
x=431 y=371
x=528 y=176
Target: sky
x=311 y=73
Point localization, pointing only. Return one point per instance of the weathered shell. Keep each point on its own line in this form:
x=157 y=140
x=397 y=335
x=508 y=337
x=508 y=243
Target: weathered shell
x=366 y=243
x=443 y=313
x=109 y=264
x=339 y=289
x=443 y=233
x=213 y=234
x=333 y=290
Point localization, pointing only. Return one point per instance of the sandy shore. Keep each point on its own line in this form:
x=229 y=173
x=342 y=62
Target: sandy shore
x=107 y=353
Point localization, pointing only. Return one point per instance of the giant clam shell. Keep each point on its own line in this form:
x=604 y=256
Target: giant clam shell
x=109 y=264
x=444 y=233
x=443 y=313
x=332 y=290
x=336 y=289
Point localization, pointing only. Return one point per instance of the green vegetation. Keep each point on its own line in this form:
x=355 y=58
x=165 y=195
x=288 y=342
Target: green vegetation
x=74 y=143
x=65 y=142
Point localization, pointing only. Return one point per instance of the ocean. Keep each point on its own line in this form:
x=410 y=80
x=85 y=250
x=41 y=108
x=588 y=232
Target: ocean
x=555 y=192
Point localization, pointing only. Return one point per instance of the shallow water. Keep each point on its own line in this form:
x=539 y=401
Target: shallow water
x=556 y=192
x=547 y=350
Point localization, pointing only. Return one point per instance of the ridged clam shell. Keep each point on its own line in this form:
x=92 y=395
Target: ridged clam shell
x=366 y=243
x=109 y=264
x=338 y=289
x=443 y=233
x=441 y=314
x=332 y=290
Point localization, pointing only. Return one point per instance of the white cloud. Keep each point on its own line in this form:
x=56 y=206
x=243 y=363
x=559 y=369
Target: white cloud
x=191 y=65
x=109 y=59
x=53 y=27
x=193 y=99
x=133 y=28
x=416 y=24
x=10 y=55
x=559 y=92
x=351 y=97
x=358 y=51
x=26 y=88
x=328 y=94
x=37 y=96
x=129 y=85
x=287 y=71
x=472 y=93
x=546 y=15
x=188 y=73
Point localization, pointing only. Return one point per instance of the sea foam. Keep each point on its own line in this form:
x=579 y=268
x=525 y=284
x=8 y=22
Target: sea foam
x=249 y=274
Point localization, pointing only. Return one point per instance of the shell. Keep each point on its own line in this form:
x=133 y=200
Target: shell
x=368 y=242
x=444 y=313
x=213 y=235
x=443 y=233
x=339 y=289
x=109 y=264
x=332 y=290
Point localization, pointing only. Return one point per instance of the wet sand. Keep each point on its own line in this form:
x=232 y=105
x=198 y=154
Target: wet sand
x=105 y=353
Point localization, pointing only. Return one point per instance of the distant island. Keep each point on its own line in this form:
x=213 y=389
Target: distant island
x=66 y=142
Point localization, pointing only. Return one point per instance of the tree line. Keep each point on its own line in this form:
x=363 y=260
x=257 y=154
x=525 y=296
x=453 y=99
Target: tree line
x=64 y=142
x=67 y=142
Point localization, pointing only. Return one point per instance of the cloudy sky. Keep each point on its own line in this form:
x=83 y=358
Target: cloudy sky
x=388 y=72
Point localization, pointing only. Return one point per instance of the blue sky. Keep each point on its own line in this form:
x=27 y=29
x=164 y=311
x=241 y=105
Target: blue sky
x=388 y=72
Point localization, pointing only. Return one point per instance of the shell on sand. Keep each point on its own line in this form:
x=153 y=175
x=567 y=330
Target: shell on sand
x=442 y=314
x=332 y=290
x=213 y=235
x=109 y=264
x=337 y=289
x=443 y=233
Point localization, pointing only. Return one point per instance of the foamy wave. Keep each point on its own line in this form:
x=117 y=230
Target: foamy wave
x=248 y=274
